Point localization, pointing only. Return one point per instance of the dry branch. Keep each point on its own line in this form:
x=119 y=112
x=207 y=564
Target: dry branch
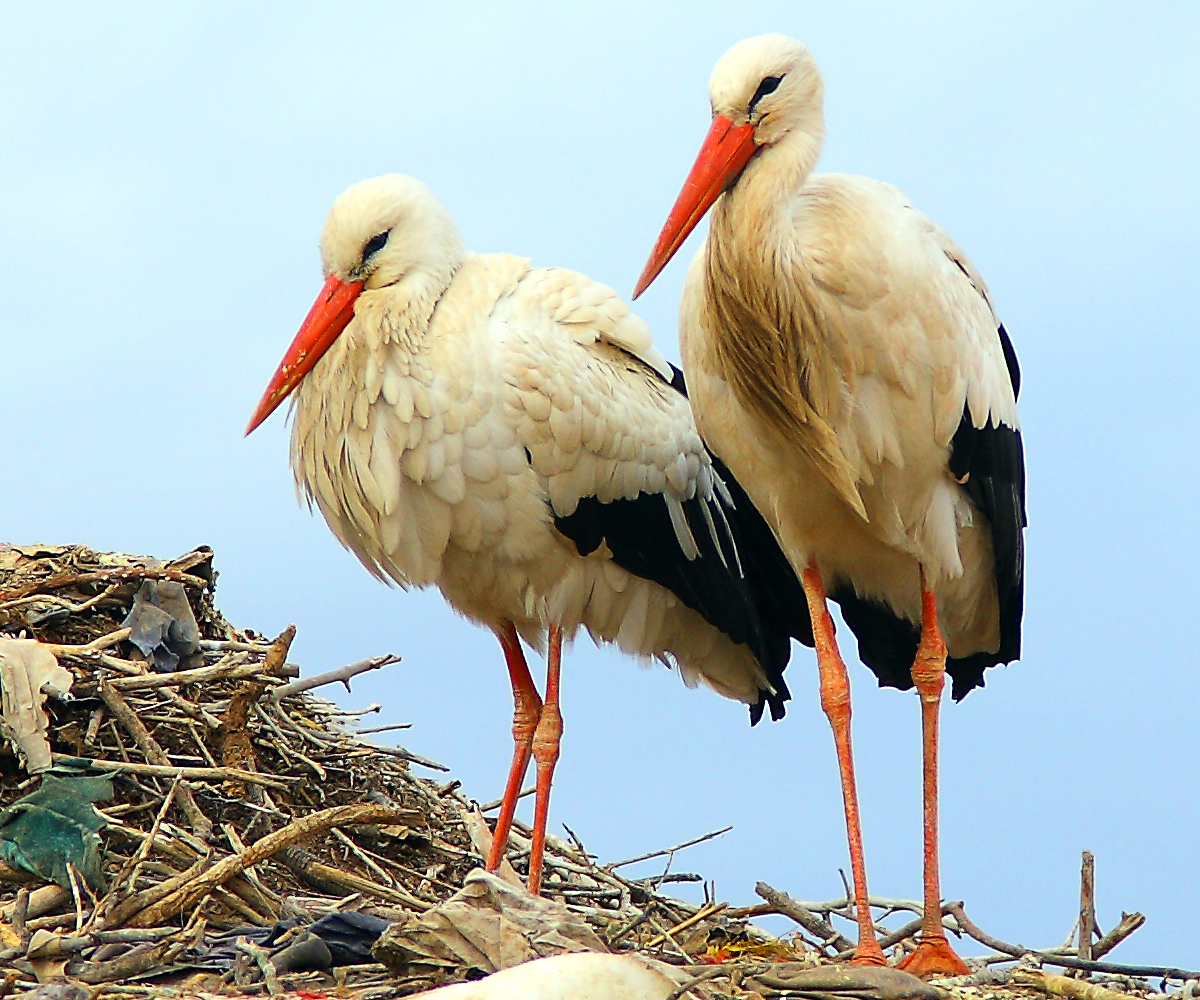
x=171 y=771
x=666 y=851
x=707 y=911
x=263 y=960
x=1064 y=986
x=324 y=877
x=121 y=573
x=160 y=870
x=121 y=711
x=1130 y=922
x=89 y=648
x=343 y=674
x=260 y=850
x=1087 y=905
x=817 y=926
x=123 y=911
x=145 y=682
x=1067 y=961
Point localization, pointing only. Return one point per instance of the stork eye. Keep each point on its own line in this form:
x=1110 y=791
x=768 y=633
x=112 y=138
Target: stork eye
x=374 y=245
x=768 y=86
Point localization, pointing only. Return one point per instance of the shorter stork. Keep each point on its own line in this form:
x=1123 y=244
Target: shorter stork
x=511 y=435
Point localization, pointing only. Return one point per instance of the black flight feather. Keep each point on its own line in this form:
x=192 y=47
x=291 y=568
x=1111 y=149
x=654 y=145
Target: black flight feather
x=763 y=609
x=989 y=462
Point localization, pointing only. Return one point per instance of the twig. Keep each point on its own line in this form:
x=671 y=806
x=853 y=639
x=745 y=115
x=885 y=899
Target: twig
x=95 y=721
x=497 y=803
x=383 y=729
x=345 y=741
x=90 y=648
x=714 y=973
x=235 y=841
x=1064 y=986
x=20 y=912
x=300 y=828
x=200 y=823
x=614 y=937
x=481 y=840
x=666 y=937
x=62 y=602
x=230 y=671
x=817 y=926
x=263 y=960
x=135 y=962
x=327 y=878
x=1067 y=961
x=357 y=852
x=149 y=897
x=1087 y=905
x=285 y=747
x=232 y=646
x=131 y=867
x=343 y=674
x=282 y=782
x=76 y=895
x=233 y=735
x=408 y=755
x=43 y=900
x=695 y=918
x=69 y=579
x=332 y=712
x=667 y=850
x=1130 y=922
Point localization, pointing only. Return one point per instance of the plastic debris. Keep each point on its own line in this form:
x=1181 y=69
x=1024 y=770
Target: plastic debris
x=161 y=624
x=487 y=926
x=26 y=667
x=57 y=826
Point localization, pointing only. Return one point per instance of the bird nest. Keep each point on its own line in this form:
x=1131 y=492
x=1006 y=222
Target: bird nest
x=250 y=837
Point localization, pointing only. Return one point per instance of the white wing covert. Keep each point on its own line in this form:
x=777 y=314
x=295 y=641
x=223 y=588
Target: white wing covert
x=591 y=407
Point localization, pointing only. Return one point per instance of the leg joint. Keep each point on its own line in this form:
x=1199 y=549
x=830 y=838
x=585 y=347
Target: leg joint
x=548 y=735
x=835 y=699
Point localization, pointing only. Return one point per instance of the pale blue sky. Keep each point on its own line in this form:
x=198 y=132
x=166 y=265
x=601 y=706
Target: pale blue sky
x=164 y=174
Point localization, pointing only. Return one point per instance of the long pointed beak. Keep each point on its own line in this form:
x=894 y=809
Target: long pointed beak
x=727 y=149
x=327 y=318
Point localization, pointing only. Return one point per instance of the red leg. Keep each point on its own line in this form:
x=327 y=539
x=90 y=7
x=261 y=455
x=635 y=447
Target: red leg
x=835 y=700
x=527 y=709
x=934 y=957
x=545 y=752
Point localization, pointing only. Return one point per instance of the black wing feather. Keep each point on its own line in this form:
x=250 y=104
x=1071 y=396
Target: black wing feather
x=762 y=609
x=990 y=463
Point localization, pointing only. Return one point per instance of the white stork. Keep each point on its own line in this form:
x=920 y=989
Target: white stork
x=846 y=361
x=511 y=435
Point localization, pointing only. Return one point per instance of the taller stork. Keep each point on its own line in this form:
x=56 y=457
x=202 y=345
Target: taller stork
x=846 y=361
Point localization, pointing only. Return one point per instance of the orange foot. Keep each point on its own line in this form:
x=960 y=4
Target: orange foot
x=868 y=954
x=934 y=959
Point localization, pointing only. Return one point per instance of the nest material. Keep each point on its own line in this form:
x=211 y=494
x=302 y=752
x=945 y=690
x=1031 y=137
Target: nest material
x=241 y=802
x=234 y=765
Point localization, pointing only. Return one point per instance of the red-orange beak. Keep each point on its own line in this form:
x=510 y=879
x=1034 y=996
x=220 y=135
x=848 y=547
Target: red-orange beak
x=727 y=149
x=329 y=316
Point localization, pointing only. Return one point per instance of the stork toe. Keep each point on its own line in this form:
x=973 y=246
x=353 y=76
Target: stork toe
x=934 y=959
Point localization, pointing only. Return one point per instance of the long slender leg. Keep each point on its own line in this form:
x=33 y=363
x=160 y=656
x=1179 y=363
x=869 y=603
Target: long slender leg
x=545 y=752
x=934 y=956
x=835 y=700
x=527 y=709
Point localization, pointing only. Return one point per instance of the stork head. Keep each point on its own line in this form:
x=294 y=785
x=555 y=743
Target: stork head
x=383 y=232
x=763 y=90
